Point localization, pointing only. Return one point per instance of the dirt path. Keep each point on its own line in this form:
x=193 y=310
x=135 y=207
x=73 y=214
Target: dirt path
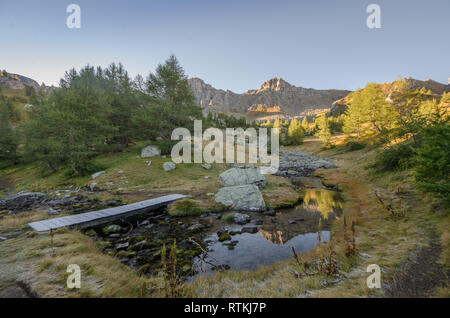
x=421 y=275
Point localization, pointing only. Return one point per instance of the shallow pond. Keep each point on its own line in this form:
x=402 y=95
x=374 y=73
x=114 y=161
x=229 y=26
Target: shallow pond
x=297 y=227
x=138 y=240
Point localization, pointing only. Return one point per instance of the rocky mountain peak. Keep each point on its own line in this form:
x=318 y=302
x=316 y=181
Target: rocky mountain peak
x=275 y=97
x=274 y=84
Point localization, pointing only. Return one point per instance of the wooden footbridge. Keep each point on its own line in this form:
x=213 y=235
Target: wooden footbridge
x=94 y=218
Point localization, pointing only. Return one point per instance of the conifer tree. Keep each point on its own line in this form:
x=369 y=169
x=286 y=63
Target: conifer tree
x=323 y=131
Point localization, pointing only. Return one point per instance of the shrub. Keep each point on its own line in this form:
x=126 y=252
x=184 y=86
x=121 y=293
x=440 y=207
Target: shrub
x=185 y=207
x=228 y=216
x=355 y=145
x=165 y=146
x=86 y=168
x=398 y=157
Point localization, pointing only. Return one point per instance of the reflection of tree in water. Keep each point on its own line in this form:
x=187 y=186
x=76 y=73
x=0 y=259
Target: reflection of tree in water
x=304 y=218
x=326 y=201
x=276 y=237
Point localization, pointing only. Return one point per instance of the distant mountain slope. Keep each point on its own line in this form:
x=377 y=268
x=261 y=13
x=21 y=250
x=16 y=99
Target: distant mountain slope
x=16 y=81
x=274 y=97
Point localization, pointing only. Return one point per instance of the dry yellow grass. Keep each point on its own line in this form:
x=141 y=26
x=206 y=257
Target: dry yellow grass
x=29 y=258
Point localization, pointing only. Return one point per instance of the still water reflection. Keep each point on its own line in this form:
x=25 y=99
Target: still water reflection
x=296 y=227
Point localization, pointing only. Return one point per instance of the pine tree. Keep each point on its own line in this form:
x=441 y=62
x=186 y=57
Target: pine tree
x=323 y=131
x=295 y=133
x=277 y=124
x=71 y=126
x=8 y=137
x=305 y=124
x=170 y=102
x=354 y=115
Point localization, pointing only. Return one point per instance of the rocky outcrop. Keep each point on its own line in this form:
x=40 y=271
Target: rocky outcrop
x=296 y=163
x=16 y=81
x=241 y=176
x=241 y=198
x=21 y=201
x=338 y=108
x=275 y=96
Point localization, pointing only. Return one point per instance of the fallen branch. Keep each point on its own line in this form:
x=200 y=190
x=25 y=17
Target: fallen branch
x=204 y=254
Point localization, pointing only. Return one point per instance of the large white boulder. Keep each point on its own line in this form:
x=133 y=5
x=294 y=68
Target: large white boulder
x=241 y=198
x=150 y=151
x=241 y=176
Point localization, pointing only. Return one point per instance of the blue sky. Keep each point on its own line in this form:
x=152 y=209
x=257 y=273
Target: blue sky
x=232 y=44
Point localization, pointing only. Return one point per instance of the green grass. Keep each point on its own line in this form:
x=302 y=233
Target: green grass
x=228 y=216
x=185 y=207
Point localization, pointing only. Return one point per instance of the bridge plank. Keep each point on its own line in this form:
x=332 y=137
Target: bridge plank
x=105 y=215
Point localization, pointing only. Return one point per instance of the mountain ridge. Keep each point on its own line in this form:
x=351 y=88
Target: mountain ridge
x=275 y=97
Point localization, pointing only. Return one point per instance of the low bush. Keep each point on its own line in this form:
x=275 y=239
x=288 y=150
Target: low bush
x=85 y=169
x=355 y=145
x=185 y=207
x=398 y=157
x=228 y=216
x=165 y=146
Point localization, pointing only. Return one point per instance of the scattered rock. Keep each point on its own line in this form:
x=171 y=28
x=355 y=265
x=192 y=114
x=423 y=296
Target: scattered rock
x=270 y=213
x=207 y=177
x=122 y=246
x=167 y=166
x=250 y=228
x=92 y=186
x=113 y=228
x=148 y=163
x=206 y=166
x=210 y=194
x=274 y=220
x=257 y=222
x=241 y=198
x=240 y=218
x=21 y=201
x=2 y=238
x=223 y=229
x=150 y=151
x=52 y=211
x=242 y=176
x=97 y=174
x=195 y=227
x=298 y=163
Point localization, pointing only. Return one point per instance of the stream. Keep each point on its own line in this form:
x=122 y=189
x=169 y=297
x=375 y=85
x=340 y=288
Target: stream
x=207 y=243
